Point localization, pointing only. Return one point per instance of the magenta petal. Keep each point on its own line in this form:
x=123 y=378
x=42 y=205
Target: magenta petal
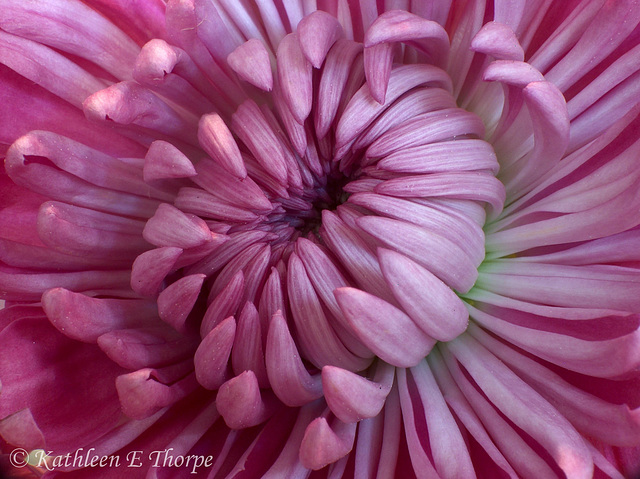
x=251 y=62
x=146 y=347
x=248 y=351
x=142 y=393
x=164 y=161
x=150 y=269
x=21 y=429
x=85 y=319
x=212 y=355
x=352 y=397
x=177 y=300
x=171 y=227
x=240 y=402
x=432 y=305
x=386 y=330
x=289 y=379
x=323 y=444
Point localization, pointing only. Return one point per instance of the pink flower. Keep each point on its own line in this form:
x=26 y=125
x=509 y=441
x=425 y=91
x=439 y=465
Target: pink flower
x=366 y=239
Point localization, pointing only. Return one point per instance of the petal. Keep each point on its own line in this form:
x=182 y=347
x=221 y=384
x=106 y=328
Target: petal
x=251 y=62
x=212 y=356
x=439 y=313
x=383 y=328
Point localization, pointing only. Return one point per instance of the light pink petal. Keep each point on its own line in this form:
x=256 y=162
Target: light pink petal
x=413 y=103
x=355 y=255
x=550 y=123
x=252 y=127
x=616 y=424
x=295 y=77
x=216 y=139
x=498 y=40
x=383 y=328
x=466 y=234
x=84 y=318
x=430 y=303
x=526 y=408
x=289 y=379
x=437 y=254
x=251 y=62
x=613 y=23
x=332 y=83
x=518 y=454
x=159 y=67
x=352 y=397
x=72 y=185
x=323 y=444
x=72 y=27
x=130 y=104
x=566 y=286
x=237 y=193
x=468 y=185
x=151 y=267
x=48 y=68
x=212 y=355
x=317 y=339
x=461 y=407
x=317 y=33
x=600 y=358
x=427 y=128
x=444 y=433
x=402 y=26
x=363 y=108
x=378 y=61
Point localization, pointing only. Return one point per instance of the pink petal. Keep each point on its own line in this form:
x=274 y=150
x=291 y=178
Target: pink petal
x=352 y=397
x=248 y=351
x=212 y=355
x=164 y=161
x=251 y=62
x=439 y=312
x=177 y=300
x=149 y=270
x=171 y=227
x=225 y=304
x=386 y=330
x=437 y=254
x=241 y=402
x=522 y=405
x=323 y=444
x=289 y=379
x=294 y=76
x=317 y=33
x=85 y=319
x=498 y=40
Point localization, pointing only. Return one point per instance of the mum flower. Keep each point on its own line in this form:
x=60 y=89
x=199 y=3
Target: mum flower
x=337 y=239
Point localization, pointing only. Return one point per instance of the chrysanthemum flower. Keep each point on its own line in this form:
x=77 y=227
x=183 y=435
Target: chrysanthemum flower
x=366 y=239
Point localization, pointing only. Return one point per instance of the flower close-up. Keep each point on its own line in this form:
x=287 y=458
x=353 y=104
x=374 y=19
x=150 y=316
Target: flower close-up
x=367 y=239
